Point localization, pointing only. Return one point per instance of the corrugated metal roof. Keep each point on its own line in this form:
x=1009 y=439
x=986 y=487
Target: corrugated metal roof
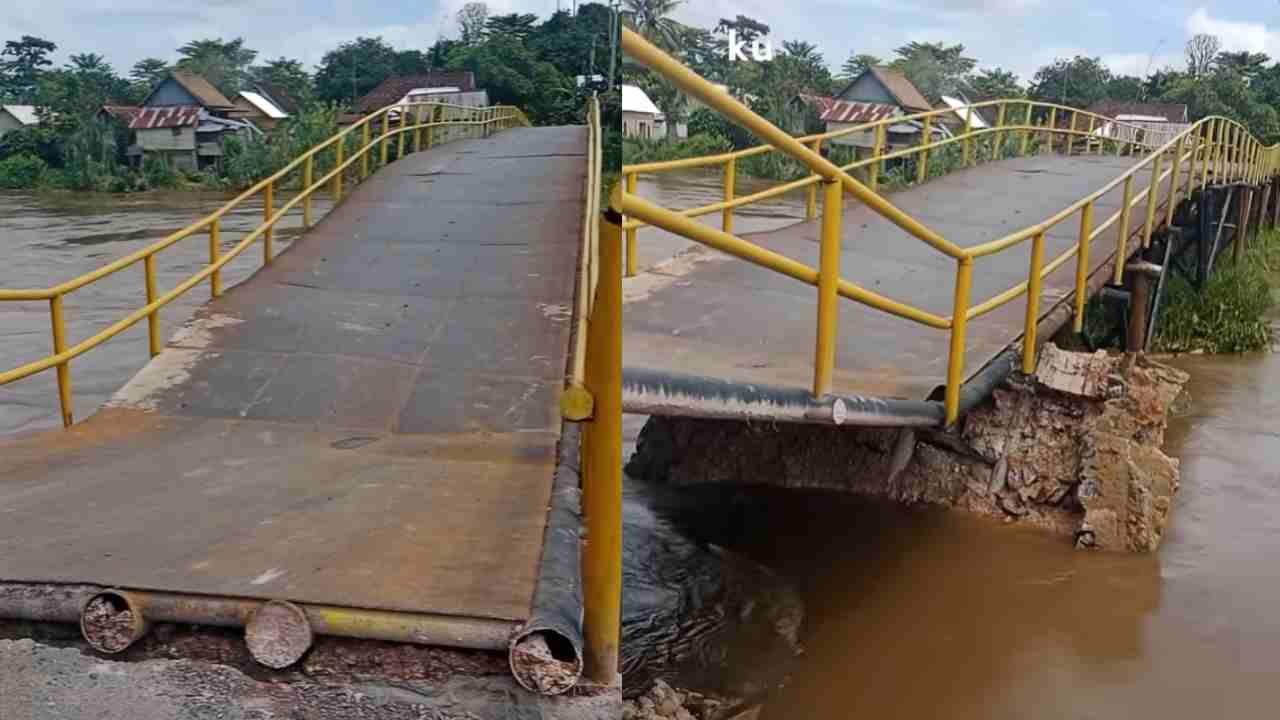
x=635 y=100
x=170 y=116
x=265 y=106
x=123 y=113
x=960 y=107
x=848 y=111
x=901 y=88
x=25 y=114
x=821 y=103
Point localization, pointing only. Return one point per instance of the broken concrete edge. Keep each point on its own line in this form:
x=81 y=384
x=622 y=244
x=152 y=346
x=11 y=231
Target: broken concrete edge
x=546 y=653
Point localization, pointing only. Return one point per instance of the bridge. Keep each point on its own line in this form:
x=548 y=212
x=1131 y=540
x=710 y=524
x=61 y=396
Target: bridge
x=387 y=432
x=1048 y=204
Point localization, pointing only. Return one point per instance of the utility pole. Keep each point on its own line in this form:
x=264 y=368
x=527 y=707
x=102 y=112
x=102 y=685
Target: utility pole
x=614 y=35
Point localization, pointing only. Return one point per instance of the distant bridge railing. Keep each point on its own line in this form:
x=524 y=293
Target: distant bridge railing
x=406 y=127
x=1215 y=145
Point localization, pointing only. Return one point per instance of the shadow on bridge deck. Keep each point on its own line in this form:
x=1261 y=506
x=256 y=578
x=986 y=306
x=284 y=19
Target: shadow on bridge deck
x=711 y=315
x=371 y=421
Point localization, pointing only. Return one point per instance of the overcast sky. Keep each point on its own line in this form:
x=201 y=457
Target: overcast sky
x=1019 y=35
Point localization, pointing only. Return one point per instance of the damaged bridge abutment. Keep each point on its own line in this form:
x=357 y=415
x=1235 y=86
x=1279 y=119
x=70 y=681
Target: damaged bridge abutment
x=1075 y=449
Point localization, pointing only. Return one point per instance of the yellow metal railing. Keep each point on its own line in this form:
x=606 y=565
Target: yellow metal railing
x=1213 y=146
x=421 y=121
x=593 y=398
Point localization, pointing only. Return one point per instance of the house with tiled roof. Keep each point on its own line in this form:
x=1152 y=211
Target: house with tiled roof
x=878 y=93
x=397 y=88
x=186 y=121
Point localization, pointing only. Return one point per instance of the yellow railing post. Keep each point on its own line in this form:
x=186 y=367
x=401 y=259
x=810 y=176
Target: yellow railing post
x=215 y=251
x=1071 y=135
x=404 y=124
x=1053 y=127
x=153 y=317
x=968 y=137
x=364 y=159
x=1173 y=182
x=730 y=179
x=1206 y=152
x=959 y=324
x=602 y=463
x=1088 y=139
x=922 y=158
x=417 y=128
x=1126 y=212
x=1082 y=264
x=1026 y=134
x=876 y=152
x=382 y=147
x=337 y=176
x=431 y=126
x=997 y=151
x=632 y=250
x=308 y=177
x=1153 y=199
x=824 y=360
x=268 y=208
x=63 y=368
x=811 y=208
x=1033 y=305
x=1193 y=169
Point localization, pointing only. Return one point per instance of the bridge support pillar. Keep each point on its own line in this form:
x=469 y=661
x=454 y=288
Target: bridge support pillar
x=1142 y=275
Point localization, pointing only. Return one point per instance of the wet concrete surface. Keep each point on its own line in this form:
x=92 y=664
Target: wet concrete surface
x=914 y=613
x=721 y=317
x=371 y=421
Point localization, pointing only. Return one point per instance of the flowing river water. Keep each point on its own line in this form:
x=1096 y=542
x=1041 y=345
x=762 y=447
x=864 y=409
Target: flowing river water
x=910 y=613
x=47 y=239
x=922 y=613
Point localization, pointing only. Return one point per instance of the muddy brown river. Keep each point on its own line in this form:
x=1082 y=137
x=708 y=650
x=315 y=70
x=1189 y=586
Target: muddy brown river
x=48 y=238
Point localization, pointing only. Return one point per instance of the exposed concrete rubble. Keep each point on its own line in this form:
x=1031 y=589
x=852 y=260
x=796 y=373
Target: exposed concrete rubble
x=663 y=702
x=1075 y=449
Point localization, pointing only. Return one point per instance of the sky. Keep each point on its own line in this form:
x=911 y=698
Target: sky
x=1018 y=35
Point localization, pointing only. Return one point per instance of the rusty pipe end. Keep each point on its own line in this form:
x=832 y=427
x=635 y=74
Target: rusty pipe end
x=112 y=620
x=278 y=634
x=544 y=661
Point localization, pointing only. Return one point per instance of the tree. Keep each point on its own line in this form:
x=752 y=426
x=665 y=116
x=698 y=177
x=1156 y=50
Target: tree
x=651 y=18
x=1078 y=82
x=224 y=63
x=1126 y=88
x=287 y=75
x=354 y=68
x=994 y=84
x=148 y=72
x=516 y=25
x=1201 y=51
x=21 y=64
x=858 y=64
x=71 y=96
x=472 y=20
x=935 y=69
x=1248 y=65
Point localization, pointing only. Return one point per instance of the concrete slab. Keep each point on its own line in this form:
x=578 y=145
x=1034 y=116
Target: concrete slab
x=371 y=421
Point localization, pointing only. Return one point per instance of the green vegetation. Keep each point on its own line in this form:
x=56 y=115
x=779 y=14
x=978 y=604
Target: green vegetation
x=517 y=58
x=1230 y=314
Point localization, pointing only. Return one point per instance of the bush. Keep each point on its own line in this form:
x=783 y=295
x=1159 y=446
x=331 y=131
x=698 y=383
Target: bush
x=1230 y=314
x=158 y=174
x=22 y=172
x=637 y=150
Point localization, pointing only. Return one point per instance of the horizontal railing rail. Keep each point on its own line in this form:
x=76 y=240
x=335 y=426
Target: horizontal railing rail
x=406 y=136
x=1214 y=148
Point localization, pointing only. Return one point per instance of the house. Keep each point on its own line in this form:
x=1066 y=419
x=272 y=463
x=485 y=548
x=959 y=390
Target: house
x=397 y=88
x=259 y=109
x=185 y=120
x=960 y=114
x=876 y=94
x=16 y=117
x=639 y=114
x=1148 y=124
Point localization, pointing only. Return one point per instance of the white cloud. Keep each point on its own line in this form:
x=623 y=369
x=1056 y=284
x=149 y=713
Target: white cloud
x=1235 y=35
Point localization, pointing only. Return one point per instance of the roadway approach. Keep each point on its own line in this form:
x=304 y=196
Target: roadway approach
x=368 y=427
x=733 y=325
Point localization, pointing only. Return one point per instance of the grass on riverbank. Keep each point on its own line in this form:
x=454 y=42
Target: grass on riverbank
x=1231 y=314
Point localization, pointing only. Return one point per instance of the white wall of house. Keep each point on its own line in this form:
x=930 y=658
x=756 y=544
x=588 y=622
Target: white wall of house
x=640 y=125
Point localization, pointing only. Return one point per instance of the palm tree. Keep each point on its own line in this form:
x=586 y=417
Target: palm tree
x=650 y=19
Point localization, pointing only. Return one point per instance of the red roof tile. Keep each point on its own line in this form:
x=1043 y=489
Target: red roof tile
x=170 y=116
x=848 y=111
x=394 y=88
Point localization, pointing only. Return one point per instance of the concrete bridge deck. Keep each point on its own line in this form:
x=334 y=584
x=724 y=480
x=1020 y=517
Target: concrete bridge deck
x=711 y=315
x=371 y=421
